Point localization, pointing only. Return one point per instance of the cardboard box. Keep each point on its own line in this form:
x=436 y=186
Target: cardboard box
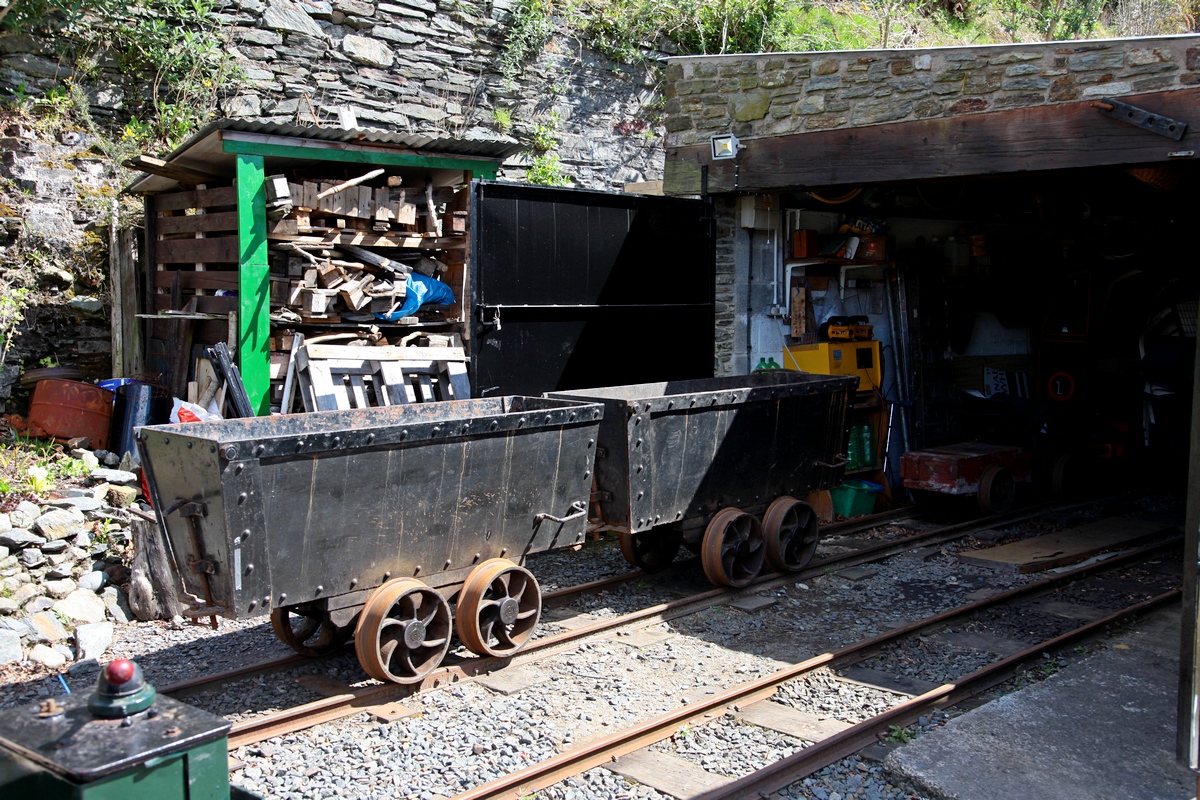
x=872 y=248
x=804 y=243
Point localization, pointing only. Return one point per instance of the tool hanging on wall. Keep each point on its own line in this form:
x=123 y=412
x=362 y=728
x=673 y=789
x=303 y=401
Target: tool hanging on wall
x=1155 y=123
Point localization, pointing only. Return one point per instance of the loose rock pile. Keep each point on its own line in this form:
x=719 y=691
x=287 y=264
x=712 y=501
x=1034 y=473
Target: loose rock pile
x=62 y=566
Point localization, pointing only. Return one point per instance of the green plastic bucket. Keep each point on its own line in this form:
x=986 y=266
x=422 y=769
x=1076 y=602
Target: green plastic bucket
x=854 y=497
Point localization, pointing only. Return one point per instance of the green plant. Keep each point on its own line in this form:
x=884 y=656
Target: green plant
x=70 y=467
x=545 y=136
x=899 y=735
x=102 y=531
x=502 y=119
x=546 y=170
x=5 y=486
x=529 y=28
x=39 y=480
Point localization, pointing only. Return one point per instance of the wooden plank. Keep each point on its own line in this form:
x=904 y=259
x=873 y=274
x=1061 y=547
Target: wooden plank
x=425 y=387
x=358 y=392
x=394 y=391
x=981 y=641
x=792 y=721
x=157 y=166
x=668 y=774
x=411 y=241
x=196 y=223
x=327 y=397
x=388 y=353
x=1065 y=547
x=1062 y=136
x=457 y=379
x=190 y=279
x=222 y=250
x=289 y=381
x=900 y=684
x=200 y=198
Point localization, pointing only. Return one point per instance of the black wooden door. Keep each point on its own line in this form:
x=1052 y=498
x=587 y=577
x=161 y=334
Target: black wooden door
x=573 y=289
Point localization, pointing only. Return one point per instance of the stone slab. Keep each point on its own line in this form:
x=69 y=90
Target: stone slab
x=1068 y=610
x=646 y=637
x=1064 y=547
x=510 y=680
x=754 y=603
x=570 y=620
x=1103 y=729
x=668 y=774
x=903 y=684
x=981 y=641
x=857 y=573
x=792 y=721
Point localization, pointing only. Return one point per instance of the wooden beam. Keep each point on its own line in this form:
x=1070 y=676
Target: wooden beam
x=197 y=223
x=185 y=175
x=190 y=279
x=200 y=198
x=222 y=250
x=287 y=147
x=1062 y=136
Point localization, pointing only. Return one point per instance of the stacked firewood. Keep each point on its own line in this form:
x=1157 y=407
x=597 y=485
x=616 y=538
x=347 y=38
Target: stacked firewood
x=319 y=277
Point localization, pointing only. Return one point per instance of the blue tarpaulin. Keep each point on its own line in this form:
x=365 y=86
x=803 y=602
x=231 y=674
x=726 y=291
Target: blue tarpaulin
x=420 y=291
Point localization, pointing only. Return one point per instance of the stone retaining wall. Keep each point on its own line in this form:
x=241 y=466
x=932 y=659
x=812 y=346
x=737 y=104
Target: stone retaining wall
x=425 y=66
x=778 y=94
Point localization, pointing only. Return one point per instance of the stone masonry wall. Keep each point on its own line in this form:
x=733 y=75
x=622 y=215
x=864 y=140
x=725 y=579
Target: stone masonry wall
x=425 y=66
x=778 y=94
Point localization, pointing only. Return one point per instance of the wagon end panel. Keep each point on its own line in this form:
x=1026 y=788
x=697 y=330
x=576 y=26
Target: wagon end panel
x=184 y=475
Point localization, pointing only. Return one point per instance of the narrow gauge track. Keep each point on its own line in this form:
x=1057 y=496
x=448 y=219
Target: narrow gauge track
x=384 y=700
x=607 y=749
x=552 y=599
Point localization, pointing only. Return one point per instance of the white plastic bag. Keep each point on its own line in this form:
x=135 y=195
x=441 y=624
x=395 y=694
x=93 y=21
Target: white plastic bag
x=183 y=411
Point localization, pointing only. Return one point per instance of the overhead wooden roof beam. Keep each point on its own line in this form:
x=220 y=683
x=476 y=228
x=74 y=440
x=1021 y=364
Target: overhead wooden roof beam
x=185 y=176
x=1061 y=136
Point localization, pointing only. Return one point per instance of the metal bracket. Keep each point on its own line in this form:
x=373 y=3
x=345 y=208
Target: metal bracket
x=201 y=566
x=601 y=497
x=193 y=510
x=578 y=509
x=1155 y=123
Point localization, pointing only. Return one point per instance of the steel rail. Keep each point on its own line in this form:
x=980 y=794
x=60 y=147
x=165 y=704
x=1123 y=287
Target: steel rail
x=834 y=748
x=605 y=749
x=368 y=698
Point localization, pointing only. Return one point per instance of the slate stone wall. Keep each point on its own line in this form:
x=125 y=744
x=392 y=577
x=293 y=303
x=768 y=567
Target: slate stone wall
x=425 y=66
x=778 y=94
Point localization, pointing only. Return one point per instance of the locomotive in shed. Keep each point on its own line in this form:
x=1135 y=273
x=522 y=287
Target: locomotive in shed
x=401 y=526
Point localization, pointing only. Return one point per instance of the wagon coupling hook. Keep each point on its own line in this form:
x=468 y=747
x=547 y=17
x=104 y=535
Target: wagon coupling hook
x=578 y=509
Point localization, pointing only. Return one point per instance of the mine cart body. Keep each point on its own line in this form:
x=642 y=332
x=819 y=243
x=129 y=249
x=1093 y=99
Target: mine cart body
x=678 y=452
x=270 y=512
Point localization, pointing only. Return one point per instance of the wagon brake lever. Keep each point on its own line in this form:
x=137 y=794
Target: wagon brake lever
x=578 y=509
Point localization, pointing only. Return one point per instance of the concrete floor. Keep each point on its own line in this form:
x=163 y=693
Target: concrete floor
x=1103 y=729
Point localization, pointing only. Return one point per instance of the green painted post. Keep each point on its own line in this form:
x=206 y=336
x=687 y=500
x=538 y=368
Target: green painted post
x=481 y=168
x=254 y=290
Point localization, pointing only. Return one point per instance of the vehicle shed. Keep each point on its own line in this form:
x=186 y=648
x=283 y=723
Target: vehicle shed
x=1007 y=232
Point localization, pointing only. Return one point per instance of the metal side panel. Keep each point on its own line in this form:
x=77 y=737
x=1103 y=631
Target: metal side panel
x=292 y=510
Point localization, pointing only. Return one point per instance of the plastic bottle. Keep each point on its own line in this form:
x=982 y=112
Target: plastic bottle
x=866 y=451
x=853 y=449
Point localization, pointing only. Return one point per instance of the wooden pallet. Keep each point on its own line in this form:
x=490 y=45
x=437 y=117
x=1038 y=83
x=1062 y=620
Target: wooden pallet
x=333 y=377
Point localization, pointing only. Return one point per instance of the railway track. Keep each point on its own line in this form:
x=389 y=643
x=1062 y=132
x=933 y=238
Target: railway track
x=608 y=749
x=551 y=599
x=386 y=701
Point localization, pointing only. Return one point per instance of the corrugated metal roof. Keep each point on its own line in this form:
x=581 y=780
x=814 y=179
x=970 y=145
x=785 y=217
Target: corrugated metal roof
x=499 y=148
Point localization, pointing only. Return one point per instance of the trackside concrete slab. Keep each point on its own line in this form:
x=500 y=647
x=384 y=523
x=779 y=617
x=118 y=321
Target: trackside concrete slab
x=1102 y=729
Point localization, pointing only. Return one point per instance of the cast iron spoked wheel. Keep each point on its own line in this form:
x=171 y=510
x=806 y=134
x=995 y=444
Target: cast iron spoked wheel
x=791 y=531
x=997 y=488
x=733 y=549
x=498 y=608
x=308 y=630
x=403 y=632
x=652 y=551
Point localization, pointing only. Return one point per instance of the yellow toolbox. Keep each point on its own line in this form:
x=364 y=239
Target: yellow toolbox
x=838 y=358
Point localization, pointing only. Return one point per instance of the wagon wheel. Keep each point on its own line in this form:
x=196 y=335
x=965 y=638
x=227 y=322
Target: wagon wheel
x=498 y=608
x=308 y=630
x=404 y=631
x=997 y=488
x=733 y=549
x=791 y=532
x=652 y=551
